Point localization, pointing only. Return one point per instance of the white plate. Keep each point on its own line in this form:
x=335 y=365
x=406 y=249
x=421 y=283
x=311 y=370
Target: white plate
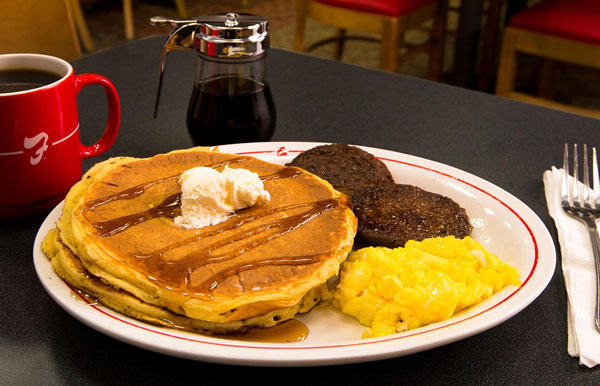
x=502 y=223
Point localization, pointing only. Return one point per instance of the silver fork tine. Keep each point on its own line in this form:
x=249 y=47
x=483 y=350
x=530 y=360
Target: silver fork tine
x=596 y=201
x=565 y=193
x=576 y=195
x=588 y=212
x=587 y=202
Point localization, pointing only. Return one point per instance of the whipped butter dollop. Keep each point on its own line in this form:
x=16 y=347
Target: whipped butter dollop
x=208 y=196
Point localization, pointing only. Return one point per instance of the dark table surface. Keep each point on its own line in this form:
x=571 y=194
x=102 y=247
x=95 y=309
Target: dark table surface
x=505 y=142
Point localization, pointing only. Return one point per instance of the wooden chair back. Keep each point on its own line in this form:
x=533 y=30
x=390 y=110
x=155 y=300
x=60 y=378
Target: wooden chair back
x=552 y=47
x=389 y=29
x=42 y=27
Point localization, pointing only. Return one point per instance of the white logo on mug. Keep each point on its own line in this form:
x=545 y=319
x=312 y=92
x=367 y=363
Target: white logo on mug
x=31 y=142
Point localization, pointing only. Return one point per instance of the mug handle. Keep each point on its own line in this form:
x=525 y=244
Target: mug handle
x=114 y=114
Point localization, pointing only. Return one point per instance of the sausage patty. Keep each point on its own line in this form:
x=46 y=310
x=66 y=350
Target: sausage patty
x=347 y=168
x=391 y=214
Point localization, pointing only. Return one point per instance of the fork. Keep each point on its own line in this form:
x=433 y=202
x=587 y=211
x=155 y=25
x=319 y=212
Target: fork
x=584 y=206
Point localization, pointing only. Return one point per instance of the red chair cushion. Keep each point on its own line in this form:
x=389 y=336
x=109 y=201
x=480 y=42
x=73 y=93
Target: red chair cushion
x=392 y=8
x=574 y=20
x=589 y=3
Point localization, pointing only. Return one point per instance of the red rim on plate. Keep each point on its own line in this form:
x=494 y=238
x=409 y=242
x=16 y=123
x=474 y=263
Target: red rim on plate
x=533 y=230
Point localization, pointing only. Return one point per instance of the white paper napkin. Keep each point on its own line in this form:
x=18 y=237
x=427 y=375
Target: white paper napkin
x=579 y=274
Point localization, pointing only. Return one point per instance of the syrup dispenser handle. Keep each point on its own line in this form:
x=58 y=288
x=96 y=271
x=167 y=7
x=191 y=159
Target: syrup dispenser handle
x=182 y=37
x=162 y=21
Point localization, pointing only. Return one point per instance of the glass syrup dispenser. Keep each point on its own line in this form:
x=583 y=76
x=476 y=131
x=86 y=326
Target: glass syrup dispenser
x=231 y=101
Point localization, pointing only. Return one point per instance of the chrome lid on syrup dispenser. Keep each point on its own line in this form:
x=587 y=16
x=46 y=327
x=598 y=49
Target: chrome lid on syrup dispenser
x=228 y=37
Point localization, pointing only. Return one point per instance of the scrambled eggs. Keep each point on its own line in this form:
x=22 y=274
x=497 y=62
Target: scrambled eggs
x=394 y=290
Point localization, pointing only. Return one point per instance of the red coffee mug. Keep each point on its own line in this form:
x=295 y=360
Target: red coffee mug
x=40 y=150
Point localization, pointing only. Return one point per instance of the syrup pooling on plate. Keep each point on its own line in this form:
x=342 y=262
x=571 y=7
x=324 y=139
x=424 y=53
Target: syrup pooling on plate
x=287 y=332
x=83 y=298
x=177 y=274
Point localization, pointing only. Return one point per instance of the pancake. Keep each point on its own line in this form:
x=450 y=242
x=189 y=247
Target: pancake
x=116 y=238
x=69 y=267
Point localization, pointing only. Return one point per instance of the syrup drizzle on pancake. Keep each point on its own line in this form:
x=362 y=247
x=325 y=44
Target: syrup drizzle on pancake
x=282 y=173
x=140 y=189
x=209 y=285
x=177 y=274
x=170 y=207
x=237 y=221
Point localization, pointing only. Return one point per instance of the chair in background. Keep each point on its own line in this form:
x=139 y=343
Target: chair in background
x=42 y=27
x=556 y=30
x=83 y=30
x=128 y=15
x=80 y=23
x=389 y=19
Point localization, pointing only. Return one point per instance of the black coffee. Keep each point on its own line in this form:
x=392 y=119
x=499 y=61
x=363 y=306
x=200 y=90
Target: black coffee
x=14 y=80
x=229 y=109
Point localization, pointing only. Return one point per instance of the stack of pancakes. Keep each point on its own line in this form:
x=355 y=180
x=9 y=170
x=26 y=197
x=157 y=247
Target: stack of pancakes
x=117 y=242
